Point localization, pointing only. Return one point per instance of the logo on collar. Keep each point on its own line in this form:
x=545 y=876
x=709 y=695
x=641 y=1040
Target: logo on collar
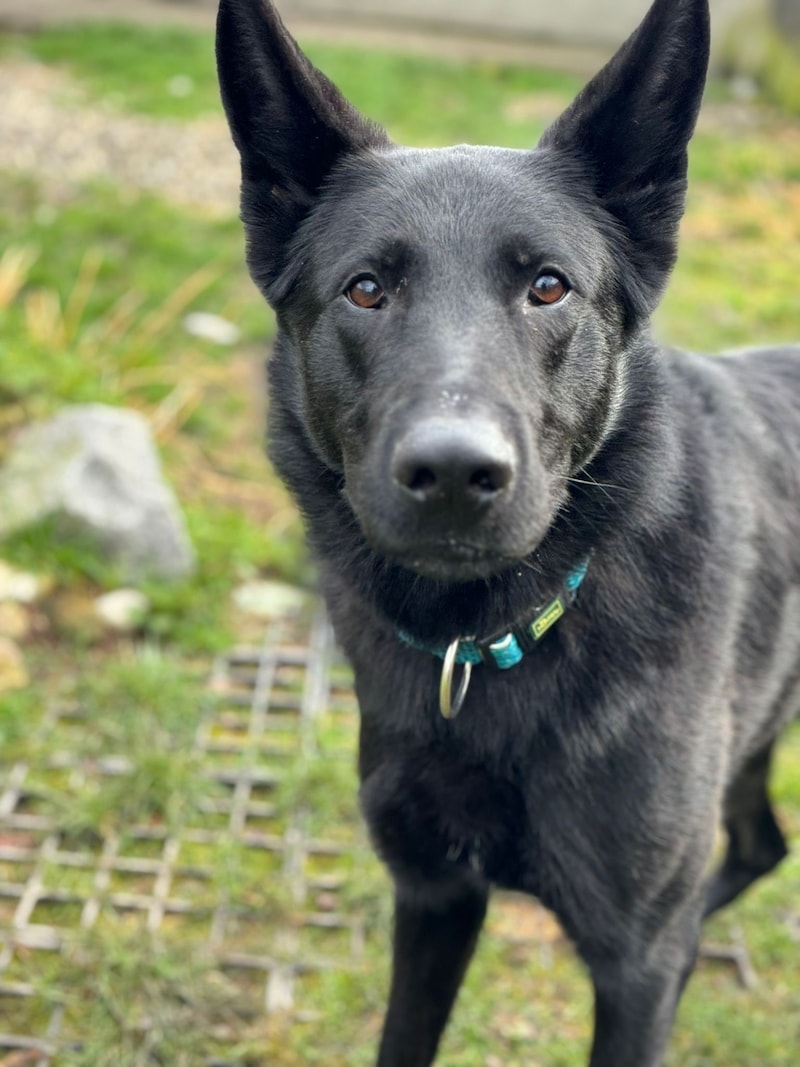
x=502 y=651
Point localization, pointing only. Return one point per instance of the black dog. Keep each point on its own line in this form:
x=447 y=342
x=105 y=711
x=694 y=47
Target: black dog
x=500 y=469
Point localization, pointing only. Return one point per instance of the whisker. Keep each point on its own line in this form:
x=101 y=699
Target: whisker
x=594 y=482
x=531 y=565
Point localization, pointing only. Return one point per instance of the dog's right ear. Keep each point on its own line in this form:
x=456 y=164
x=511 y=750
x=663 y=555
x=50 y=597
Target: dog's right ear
x=630 y=128
x=289 y=122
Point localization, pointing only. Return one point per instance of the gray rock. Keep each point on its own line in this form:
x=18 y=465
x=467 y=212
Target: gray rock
x=94 y=470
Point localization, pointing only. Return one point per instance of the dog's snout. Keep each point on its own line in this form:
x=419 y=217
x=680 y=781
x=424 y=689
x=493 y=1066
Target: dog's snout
x=454 y=463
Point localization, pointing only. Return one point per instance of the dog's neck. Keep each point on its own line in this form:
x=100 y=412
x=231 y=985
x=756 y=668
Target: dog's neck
x=506 y=648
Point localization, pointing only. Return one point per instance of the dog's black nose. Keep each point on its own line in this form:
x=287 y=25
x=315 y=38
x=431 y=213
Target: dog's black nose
x=454 y=463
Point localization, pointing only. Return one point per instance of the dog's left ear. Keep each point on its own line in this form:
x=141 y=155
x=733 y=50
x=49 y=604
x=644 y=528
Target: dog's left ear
x=629 y=130
x=289 y=122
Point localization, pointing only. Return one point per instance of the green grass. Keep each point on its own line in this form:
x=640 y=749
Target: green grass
x=135 y=67
x=18 y=709
x=141 y=706
x=145 y=1003
x=476 y=103
x=93 y=288
x=107 y=276
x=96 y=287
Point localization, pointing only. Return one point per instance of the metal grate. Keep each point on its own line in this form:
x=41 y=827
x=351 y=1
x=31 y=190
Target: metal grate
x=267 y=707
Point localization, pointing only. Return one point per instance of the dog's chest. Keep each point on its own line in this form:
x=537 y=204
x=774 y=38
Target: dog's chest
x=433 y=816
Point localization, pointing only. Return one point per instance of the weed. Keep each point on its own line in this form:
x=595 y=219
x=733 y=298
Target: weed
x=153 y=788
x=19 y=710
x=131 y=999
x=139 y=713
x=327 y=787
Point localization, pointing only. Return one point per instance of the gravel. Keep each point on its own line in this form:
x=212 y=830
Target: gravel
x=48 y=128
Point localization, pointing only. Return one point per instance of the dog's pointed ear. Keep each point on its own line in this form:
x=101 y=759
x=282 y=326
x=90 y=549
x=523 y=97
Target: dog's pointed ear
x=290 y=124
x=630 y=128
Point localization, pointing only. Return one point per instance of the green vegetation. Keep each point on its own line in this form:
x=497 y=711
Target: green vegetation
x=93 y=289
x=159 y=71
x=94 y=284
x=780 y=74
x=141 y=70
x=145 y=1004
x=758 y=51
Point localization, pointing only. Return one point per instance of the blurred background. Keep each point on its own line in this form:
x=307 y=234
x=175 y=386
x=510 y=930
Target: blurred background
x=183 y=875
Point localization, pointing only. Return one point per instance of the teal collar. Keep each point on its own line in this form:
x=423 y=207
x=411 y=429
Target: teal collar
x=503 y=650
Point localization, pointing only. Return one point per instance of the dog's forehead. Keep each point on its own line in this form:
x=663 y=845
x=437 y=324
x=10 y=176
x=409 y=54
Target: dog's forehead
x=473 y=194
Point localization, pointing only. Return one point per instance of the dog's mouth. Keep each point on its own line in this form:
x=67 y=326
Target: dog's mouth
x=453 y=561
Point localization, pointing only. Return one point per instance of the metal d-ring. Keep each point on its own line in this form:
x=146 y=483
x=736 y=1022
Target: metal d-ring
x=449 y=707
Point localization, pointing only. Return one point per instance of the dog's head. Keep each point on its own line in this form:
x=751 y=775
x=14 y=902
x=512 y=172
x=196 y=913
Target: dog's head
x=462 y=321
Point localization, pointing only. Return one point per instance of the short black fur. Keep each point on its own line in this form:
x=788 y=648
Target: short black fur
x=457 y=445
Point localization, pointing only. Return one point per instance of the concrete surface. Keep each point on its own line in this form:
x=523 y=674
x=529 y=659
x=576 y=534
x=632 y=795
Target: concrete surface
x=576 y=35
x=399 y=35
x=597 y=23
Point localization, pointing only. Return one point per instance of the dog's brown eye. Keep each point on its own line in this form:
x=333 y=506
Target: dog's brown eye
x=365 y=293
x=548 y=289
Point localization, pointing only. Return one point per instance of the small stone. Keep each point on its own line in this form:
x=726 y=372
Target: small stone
x=122 y=610
x=115 y=765
x=181 y=86
x=13 y=672
x=743 y=88
x=214 y=328
x=327 y=902
x=270 y=600
x=15 y=622
x=21 y=586
x=280 y=990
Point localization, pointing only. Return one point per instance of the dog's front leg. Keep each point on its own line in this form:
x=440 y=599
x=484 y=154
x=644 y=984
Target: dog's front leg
x=433 y=944
x=636 y=995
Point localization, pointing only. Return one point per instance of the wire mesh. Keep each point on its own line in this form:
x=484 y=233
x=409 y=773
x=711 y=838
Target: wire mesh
x=268 y=707
x=266 y=702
